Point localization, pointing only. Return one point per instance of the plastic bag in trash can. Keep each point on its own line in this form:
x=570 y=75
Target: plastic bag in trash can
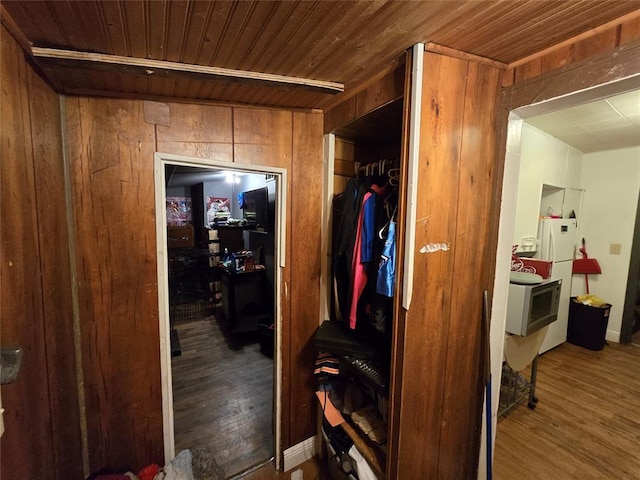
x=591 y=300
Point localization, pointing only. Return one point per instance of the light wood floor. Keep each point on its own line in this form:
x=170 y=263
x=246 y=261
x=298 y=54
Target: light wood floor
x=312 y=469
x=222 y=394
x=587 y=422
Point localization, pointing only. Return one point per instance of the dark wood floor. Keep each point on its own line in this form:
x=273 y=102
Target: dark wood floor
x=222 y=394
x=586 y=424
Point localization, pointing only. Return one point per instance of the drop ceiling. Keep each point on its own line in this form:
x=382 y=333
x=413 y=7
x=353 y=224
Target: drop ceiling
x=346 y=42
x=601 y=125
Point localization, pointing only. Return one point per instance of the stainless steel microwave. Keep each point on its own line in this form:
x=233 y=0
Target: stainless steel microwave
x=531 y=307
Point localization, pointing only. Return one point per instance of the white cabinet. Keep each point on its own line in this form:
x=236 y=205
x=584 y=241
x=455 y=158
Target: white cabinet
x=551 y=201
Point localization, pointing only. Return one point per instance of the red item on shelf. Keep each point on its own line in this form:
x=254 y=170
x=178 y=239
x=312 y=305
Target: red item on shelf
x=530 y=265
x=148 y=472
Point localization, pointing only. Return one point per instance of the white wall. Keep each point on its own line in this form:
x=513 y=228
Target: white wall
x=544 y=160
x=217 y=188
x=222 y=188
x=611 y=180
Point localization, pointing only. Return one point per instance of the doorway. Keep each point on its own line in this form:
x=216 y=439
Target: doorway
x=631 y=314
x=508 y=213
x=220 y=354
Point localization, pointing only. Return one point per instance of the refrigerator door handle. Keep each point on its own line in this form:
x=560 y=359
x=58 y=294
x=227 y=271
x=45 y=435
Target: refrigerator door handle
x=550 y=246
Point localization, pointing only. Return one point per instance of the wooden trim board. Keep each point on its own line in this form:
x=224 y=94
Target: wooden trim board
x=164 y=68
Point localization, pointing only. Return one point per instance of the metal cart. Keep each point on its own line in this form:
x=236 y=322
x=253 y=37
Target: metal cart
x=514 y=387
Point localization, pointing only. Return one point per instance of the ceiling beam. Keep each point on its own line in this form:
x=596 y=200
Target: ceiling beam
x=143 y=66
x=583 y=36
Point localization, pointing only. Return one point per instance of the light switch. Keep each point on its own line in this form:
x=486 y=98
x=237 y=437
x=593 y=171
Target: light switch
x=614 y=249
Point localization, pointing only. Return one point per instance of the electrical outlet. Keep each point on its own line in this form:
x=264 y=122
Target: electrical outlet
x=614 y=248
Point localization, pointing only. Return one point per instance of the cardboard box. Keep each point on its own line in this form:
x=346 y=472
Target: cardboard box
x=532 y=265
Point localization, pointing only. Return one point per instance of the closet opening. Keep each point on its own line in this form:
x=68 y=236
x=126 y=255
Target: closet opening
x=366 y=179
x=219 y=258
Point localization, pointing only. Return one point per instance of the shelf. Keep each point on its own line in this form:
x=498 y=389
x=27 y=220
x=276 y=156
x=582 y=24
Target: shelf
x=560 y=201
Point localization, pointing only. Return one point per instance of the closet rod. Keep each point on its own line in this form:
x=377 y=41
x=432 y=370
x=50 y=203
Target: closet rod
x=383 y=165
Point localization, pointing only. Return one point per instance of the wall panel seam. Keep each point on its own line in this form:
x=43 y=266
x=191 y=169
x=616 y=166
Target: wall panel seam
x=74 y=284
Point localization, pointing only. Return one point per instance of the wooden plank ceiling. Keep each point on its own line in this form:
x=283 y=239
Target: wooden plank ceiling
x=336 y=41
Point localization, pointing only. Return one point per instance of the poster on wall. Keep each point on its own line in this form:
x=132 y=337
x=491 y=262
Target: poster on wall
x=179 y=211
x=218 y=208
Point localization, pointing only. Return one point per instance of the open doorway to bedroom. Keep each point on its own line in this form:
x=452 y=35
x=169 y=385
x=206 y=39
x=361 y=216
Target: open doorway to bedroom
x=218 y=264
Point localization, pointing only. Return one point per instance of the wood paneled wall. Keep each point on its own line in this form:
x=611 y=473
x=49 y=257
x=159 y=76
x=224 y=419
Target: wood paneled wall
x=344 y=167
x=306 y=213
x=378 y=91
x=111 y=155
x=575 y=51
x=111 y=165
x=42 y=418
x=442 y=383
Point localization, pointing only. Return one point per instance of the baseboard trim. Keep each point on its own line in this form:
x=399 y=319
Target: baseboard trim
x=300 y=453
x=612 y=336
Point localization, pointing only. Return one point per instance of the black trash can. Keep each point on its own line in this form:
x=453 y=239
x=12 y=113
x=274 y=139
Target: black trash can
x=587 y=325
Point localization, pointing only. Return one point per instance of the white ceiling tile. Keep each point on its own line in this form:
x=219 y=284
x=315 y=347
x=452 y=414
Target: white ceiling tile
x=553 y=124
x=548 y=120
x=628 y=103
x=591 y=147
x=619 y=137
x=583 y=140
x=601 y=125
x=634 y=120
x=593 y=112
x=611 y=124
x=578 y=136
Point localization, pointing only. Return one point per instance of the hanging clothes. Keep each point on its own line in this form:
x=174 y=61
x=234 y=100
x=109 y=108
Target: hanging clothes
x=369 y=223
x=346 y=208
x=363 y=263
x=387 y=268
x=357 y=267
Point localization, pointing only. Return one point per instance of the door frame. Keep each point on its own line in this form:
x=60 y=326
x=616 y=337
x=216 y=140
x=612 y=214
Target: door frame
x=613 y=72
x=633 y=278
x=280 y=174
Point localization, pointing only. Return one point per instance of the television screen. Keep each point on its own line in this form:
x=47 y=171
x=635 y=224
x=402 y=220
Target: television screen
x=255 y=210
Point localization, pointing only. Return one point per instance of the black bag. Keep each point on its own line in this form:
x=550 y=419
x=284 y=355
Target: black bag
x=334 y=337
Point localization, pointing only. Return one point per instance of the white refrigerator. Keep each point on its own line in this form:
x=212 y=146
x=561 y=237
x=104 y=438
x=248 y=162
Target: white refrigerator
x=556 y=242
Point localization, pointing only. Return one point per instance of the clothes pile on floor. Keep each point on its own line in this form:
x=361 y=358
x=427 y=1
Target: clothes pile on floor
x=198 y=464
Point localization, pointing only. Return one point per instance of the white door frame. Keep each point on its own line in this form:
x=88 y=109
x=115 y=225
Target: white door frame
x=160 y=160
